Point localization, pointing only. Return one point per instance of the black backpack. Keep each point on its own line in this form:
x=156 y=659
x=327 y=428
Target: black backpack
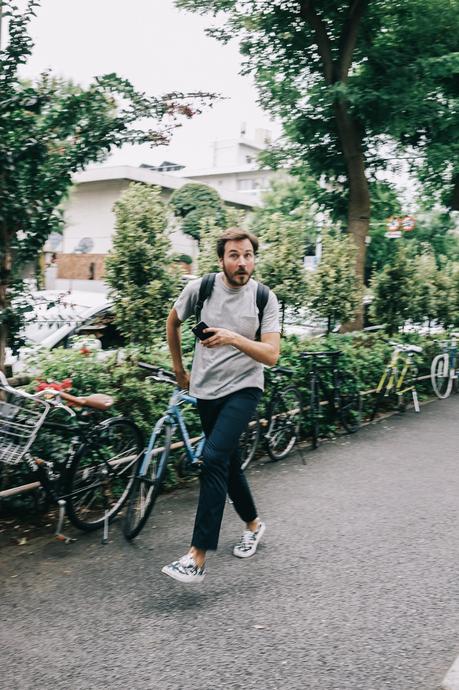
x=205 y=291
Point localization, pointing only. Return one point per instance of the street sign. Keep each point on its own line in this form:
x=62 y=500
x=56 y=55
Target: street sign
x=393 y=224
x=393 y=234
x=408 y=223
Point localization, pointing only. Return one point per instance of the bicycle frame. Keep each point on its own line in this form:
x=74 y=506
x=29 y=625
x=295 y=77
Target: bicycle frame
x=175 y=419
x=330 y=391
x=391 y=378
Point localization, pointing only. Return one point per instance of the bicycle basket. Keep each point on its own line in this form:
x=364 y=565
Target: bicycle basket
x=20 y=420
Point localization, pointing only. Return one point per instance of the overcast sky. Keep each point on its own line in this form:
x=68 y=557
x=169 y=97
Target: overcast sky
x=157 y=48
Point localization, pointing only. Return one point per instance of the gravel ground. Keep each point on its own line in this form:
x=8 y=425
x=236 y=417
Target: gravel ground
x=355 y=586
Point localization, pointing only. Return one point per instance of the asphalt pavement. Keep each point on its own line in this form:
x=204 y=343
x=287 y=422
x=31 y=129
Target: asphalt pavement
x=355 y=586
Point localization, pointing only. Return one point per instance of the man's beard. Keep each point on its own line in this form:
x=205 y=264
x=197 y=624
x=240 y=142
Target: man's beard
x=237 y=278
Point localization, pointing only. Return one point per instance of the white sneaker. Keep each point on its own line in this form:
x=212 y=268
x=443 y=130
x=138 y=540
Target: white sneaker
x=248 y=543
x=185 y=570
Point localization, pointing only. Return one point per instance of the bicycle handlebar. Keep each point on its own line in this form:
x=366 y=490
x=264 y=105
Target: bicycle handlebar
x=280 y=370
x=36 y=396
x=405 y=347
x=159 y=374
x=326 y=353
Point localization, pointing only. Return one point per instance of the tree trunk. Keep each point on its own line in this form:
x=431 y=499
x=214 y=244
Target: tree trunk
x=359 y=194
x=336 y=71
x=282 y=317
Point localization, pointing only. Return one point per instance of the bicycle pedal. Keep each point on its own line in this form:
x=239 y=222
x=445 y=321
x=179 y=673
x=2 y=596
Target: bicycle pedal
x=188 y=470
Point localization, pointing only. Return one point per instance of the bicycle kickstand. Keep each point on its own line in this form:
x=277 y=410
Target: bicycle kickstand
x=104 y=539
x=59 y=535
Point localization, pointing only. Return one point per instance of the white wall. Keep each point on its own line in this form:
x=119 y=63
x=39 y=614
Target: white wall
x=89 y=213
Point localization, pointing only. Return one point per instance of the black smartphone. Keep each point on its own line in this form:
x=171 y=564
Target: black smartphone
x=198 y=331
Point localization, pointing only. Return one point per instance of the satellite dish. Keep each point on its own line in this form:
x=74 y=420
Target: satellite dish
x=85 y=245
x=55 y=241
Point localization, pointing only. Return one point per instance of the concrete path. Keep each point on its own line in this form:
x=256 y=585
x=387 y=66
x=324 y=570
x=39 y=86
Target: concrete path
x=355 y=587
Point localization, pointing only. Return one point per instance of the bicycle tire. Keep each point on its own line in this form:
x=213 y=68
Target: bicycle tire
x=101 y=474
x=284 y=424
x=145 y=489
x=248 y=442
x=442 y=383
x=350 y=404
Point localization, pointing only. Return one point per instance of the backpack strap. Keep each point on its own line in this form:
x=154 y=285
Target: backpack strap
x=205 y=291
x=262 y=300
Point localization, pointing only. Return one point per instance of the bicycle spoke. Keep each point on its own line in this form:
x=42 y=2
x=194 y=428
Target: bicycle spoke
x=102 y=473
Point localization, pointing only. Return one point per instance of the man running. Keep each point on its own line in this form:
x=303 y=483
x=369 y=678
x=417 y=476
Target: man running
x=227 y=380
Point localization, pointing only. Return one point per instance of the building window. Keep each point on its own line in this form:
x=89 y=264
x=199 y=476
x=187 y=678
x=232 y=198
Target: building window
x=245 y=184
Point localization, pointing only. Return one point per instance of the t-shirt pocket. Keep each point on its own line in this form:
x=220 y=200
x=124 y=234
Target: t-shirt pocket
x=248 y=326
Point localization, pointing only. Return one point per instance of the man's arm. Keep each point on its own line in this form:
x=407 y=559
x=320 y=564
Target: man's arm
x=174 y=341
x=266 y=351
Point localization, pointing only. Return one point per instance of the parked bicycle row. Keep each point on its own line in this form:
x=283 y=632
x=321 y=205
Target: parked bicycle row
x=105 y=464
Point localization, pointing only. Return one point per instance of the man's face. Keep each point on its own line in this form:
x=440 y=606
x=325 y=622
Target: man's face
x=238 y=262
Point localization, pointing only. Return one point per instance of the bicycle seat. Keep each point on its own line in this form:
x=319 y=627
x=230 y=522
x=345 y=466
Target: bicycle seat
x=96 y=401
x=281 y=370
x=405 y=348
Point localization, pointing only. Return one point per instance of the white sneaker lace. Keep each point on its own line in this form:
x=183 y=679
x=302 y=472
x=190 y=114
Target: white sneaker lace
x=246 y=539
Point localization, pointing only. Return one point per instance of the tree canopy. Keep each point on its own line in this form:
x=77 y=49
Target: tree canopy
x=140 y=269
x=50 y=129
x=337 y=73
x=195 y=203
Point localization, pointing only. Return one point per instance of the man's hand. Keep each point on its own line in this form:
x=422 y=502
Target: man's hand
x=220 y=336
x=183 y=379
x=265 y=351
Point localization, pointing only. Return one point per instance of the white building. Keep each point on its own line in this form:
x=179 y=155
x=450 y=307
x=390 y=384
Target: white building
x=76 y=259
x=234 y=167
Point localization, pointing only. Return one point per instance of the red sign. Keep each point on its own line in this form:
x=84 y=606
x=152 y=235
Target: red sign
x=393 y=224
x=408 y=223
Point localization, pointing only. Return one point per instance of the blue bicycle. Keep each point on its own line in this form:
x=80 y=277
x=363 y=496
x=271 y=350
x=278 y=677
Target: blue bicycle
x=151 y=470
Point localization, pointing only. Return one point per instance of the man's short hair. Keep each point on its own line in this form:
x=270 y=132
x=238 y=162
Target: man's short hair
x=235 y=234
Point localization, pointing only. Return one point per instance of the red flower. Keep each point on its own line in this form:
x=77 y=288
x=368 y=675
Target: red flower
x=66 y=384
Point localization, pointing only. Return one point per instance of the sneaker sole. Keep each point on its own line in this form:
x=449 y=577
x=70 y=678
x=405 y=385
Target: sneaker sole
x=253 y=552
x=183 y=578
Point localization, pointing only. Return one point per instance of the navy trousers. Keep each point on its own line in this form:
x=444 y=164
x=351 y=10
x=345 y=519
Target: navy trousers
x=223 y=421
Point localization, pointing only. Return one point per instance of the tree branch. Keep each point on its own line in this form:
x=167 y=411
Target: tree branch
x=348 y=37
x=310 y=16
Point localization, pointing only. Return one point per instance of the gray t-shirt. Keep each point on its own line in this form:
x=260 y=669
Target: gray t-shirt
x=221 y=370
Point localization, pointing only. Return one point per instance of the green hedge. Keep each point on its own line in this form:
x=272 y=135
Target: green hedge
x=365 y=355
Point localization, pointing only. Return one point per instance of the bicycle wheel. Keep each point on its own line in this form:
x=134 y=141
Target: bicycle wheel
x=442 y=383
x=284 y=423
x=146 y=487
x=249 y=440
x=102 y=473
x=350 y=404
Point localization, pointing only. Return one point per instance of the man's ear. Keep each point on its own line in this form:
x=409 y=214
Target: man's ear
x=220 y=262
